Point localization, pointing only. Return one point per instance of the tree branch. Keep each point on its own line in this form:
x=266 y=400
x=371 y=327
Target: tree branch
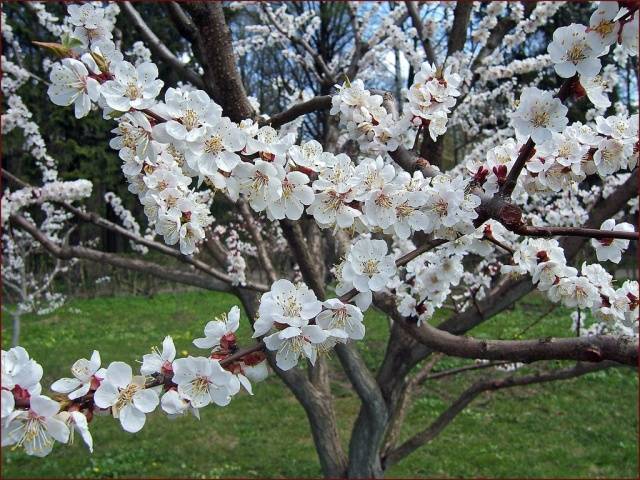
x=322 y=102
x=218 y=59
x=594 y=348
x=97 y=220
x=446 y=417
x=161 y=271
x=394 y=428
x=458 y=34
x=182 y=21
x=531 y=231
x=419 y=26
x=159 y=48
x=466 y=368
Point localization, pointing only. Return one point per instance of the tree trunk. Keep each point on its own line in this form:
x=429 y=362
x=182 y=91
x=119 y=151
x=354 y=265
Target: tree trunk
x=316 y=403
x=15 y=335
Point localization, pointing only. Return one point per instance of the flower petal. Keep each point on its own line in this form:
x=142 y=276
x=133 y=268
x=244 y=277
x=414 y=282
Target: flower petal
x=44 y=406
x=132 y=419
x=106 y=395
x=120 y=374
x=65 y=385
x=146 y=400
x=57 y=429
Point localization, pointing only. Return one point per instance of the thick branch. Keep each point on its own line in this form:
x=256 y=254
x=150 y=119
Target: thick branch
x=368 y=431
x=458 y=34
x=394 y=428
x=218 y=59
x=316 y=404
x=182 y=21
x=411 y=162
x=359 y=45
x=594 y=348
x=354 y=366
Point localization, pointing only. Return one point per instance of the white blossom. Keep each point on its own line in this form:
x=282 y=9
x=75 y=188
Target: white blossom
x=286 y=303
x=292 y=342
x=539 y=115
x=571 y=52
x=338 y=315
x=35 y=429
x=71 y=84
x=215 y=330
x=159 y=362
x=126 y=395
x=77 y=422
x=603 y=27
x=368 y=266
x=611 y=248
x=90 y=22
x=132 y=87
x=296 y=194
x=203 y=381
x=260 y=182
x=87 y=373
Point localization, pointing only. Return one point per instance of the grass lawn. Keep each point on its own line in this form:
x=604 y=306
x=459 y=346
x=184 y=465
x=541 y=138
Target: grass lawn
x=586 y=427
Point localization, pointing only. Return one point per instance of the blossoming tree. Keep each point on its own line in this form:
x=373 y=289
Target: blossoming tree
x=319 y=227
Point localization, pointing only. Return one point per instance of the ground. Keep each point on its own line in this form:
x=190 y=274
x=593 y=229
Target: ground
x=586 y=427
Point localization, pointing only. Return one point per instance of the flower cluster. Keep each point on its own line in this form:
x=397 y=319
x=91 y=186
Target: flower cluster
x=429 y=279
x=592 y=288
x=566 y=158
x=366 y=119
x=179 y=385
x=374 y=196
x=431 y=96
x=50 y=192
x=37 y=428
x=305 y=326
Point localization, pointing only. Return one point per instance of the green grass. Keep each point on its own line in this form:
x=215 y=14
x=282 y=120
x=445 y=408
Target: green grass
x=585 y=427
